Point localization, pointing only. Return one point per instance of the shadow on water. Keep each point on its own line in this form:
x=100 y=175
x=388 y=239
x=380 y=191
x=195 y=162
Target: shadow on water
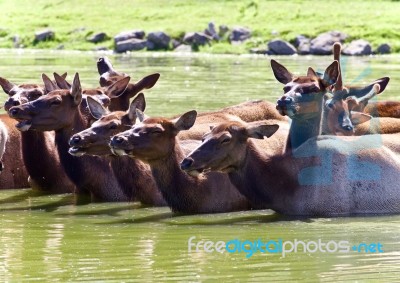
x=48 y=207
x=25 y=194
x=25 y=200
x=114 y=211
x=206 y=220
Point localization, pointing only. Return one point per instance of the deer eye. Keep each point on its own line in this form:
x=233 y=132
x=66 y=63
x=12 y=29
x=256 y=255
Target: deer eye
x=226 y=140
x=286 y=89
x=32 y=97
x=56 y=102
x=113 y=127
x=156 y=131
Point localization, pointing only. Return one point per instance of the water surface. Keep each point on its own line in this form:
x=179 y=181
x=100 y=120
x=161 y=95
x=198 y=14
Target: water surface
x=49 y=238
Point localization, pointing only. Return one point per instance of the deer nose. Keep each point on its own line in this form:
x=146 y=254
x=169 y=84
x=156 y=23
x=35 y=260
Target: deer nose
x=74 y=140
x=284 y=101
x=10 y=103
x=117 y=140
x=14 y=111
x=186 y=163
x=348 y=128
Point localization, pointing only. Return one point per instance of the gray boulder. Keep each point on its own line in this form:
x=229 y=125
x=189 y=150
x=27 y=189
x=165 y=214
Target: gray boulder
x=44 y=35
x=358 y=48
x=281 y=47
x=383 y=49
x=240 y=34
x=211 y=31
x=98 y=37
x=159 y=39
x=132 y=44
x=300 y=39
x=196 y=38
x=322 y=44
x=304 y=48
x=125 y=35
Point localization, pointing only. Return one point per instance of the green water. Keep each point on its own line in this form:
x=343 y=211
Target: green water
x=48 y=238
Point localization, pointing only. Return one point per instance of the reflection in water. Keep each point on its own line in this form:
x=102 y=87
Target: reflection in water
x=52 y=254
x=47 y=238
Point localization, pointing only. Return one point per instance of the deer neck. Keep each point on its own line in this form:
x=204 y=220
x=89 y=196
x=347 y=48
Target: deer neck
x=264 y=179
x=136 y=180
x=89 y=173
x=176 y=186
x=302 y=129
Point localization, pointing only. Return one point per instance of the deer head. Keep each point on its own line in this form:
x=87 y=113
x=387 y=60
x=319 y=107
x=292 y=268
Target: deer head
x=345 y=109
x=20 y=94
x=303 y=95
x=224 y=147
x=50 y=112
x=109 y=76
x=153 y=138
x=95 y=140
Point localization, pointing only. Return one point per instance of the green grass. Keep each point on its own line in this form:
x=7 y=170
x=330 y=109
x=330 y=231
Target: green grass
x=375 y=21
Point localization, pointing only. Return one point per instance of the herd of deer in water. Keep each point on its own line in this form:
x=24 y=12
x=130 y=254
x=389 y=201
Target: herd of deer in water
x=339 y=156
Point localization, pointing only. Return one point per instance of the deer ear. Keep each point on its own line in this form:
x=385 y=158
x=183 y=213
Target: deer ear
x=96 y=108
x=6 y=85
x=360 y=92
x=186 y=121
x=76 y=90
x=139 y=103
x=49 y=85
x=148 y=81
x=117 y=88
x=61 y=82
x=311 y=73
x=281 y=73
x=140 y=115
x=259 y=131
x=64 y=76
x=359 y=117
x=331 y=74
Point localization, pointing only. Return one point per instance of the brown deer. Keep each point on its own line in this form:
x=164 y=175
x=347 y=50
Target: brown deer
x=109 y=76
x=318 y=179
x=62 y=111
x=132 y=174
x=344 y=112
x=3 y=141
x=304 y=101
x=39 y=154
x=154 y=141
x=14 y=175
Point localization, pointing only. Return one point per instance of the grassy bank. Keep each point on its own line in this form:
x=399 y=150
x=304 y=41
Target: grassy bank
x=375 y=21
